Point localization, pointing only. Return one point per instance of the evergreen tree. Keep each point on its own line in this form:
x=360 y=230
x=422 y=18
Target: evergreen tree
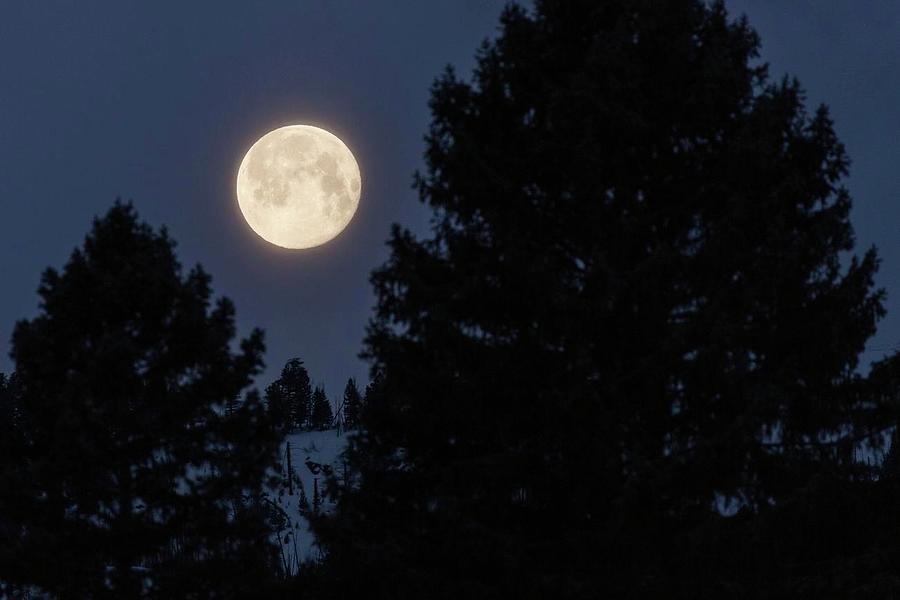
x=134 y=480
x=290 y=396
x=633 y=291
x=277 y=406
x=352 y=405
x=322 y=417
x=296 y=381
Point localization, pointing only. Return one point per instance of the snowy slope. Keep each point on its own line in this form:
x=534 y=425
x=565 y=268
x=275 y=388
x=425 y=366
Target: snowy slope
x=318 y=448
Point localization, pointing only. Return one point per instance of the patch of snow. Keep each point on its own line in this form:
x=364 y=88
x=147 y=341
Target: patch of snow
x=313 y=454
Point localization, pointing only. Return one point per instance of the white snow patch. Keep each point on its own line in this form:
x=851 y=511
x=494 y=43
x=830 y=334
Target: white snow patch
x=324 y=448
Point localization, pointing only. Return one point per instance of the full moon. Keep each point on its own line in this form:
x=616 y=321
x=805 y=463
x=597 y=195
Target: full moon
x=298 y=186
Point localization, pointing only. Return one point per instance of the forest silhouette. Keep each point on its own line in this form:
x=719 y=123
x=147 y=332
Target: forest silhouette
x=624 y=361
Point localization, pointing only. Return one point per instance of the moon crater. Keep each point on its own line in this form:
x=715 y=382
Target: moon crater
x=298 y=186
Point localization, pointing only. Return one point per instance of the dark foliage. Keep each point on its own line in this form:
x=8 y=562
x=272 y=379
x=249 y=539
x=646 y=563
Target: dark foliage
x=351 y=407
x=321 y=416
x=128 y=477
x=289 y=398
x=10 y=412
x=637 y=309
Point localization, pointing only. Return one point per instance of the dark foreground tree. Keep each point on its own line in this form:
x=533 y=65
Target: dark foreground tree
x=625 y=357
x=289 y=398
x=10 y=411
x=131 y=478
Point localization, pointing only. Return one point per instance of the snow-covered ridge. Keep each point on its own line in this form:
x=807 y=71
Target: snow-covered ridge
x=312 y=455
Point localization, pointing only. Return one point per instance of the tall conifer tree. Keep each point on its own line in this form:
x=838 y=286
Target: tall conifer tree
x=290 y=396
x=637 y=302
x=322 y=416
x=134 y=480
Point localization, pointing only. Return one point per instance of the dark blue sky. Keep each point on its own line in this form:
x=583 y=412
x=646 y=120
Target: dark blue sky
x=157 y=102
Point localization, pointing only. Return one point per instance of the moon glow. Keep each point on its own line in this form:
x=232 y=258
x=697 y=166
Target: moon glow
x=298 y=186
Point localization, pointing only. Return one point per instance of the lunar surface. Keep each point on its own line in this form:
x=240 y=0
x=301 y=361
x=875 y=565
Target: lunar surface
x=298 y=186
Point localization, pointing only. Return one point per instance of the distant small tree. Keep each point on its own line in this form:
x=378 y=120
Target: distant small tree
x=352 y=405
x=295 y=380
x=277 y=407
x=322 y=416
x=289 y=398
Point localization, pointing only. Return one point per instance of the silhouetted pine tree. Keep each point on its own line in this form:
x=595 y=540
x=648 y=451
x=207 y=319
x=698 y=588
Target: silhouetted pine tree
x=633 y=291
x=322 y=416
x=277 y=406
x=290 y=396
x=133 y=479
x=351 y=405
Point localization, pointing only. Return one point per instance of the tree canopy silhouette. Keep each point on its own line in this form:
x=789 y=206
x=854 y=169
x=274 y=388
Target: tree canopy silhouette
x=321 y=417
x=351 y=405
x=130 y=478
x=637 y=313
x=289 y=398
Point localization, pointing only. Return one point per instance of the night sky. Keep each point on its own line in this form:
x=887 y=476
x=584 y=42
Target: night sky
x=157 y=103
